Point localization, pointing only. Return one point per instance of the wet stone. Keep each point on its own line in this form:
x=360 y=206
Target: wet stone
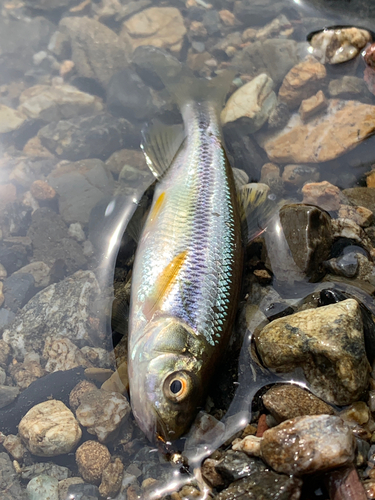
x=327 y=343
x=83 y=492
x=18 y=289
x=236 y=465
x=62 y=354
x=297 y=175
x=361 y=196
x=340 y=45
x=279 y=116
x=50 y=429
x=8 y=395
x=10 y=487
x=348 y=87
x=48 y=468
x=14 y=447
x=10 y=119
x=43 y=488
x=210 y=474
x=92 y=458
x=288 y=401
x=77 y=393
x=305 y=445
x=112 y=479
x=313 y=105
x=324 y=194
x=87 y=136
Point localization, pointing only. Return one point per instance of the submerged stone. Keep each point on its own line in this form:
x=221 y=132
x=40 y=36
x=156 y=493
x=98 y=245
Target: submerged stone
x=236 y=465
x=339 y=45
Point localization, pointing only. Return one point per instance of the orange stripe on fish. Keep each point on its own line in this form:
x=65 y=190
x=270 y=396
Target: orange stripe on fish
x=163 y=284
x=157 y=207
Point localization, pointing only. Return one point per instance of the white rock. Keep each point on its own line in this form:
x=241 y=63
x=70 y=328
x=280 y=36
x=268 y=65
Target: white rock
x=49 y=429
x=10 y=119
x=62 y=354
x=76 y=231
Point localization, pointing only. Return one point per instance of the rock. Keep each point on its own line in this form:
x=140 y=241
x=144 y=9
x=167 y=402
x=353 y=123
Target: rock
x=279 y=116
x=51 y=243
x=112 y=479
x=310 y=107
x=10 y=119
x=254 y=100
x=258 y=12
x=324 y=138
x=103 y=413
x=97 y=52
x=92 y=458
x=280 y=25
x=161 y=27
x=43 y=488
x=344 y=265
x=306 y=445
x=18 y=289
x=80 y=186
x=132 y=157
x=14 y=446
x=27 y=372
x=86 y=136
x=128 y=97
x=59 y=102
x=345 y=481
x=4 y=352
x=8 y=395
x=361 y=196
x=360 y=215
x=69 y=316
x=369 y=55
x=118 y=381
x=10 y=487
x=236 y=465
x=270 y=175
x=49 y=429
x=2 y=298
x=210 y=474
x=302 y=81
x=76 y=232
x=228 y=18
x=305 y=339
x=83 y=492
x=42 y=191
x=348 y=87
x=3 y=272
x=369 y=79
x=289 y=401
x=264 y=485
x=65 y=484
x=63 y=355
x=323 y=194
x=98 y=357
x=39 y=271
x=47 y=5
x=297 y=175
x=339 y=45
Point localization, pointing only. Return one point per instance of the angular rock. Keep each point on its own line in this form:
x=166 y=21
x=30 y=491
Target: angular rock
x=10 y=119
x=103 y=413
x=289 y=401
x=326 y=137
x=87 y=136
x=42 y=191
x=323 y=194
x=49 y=429
x=80 y=186
x=131 y=157
x=302 y=81
x=361 y=196
x=306 y=445
x=92 y=458
x=97 y=52
x=161 y=27
x=27 y=372
x=39 y=271
x=339 y=45
x=62 y=355
x=60 y=310
x=313 y=105
x=8 y=395
x=10 y=487
x=236 y=465
x=254 y=100
x=327 y=343
x=18 y=288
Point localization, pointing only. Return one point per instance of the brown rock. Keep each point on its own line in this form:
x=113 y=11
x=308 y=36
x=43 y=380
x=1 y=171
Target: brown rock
x=326 y=137
x=312 y=106
x=370 y=179
x=76 y=395
x=360 y=215
x=305 y=445
x=34 y=148
x=339 y=45
x=92 y=458
x=25 y=373
x=369 y=56
x=302 y=81
x=118 y=381
x=111 y=479
x=158 y=26
x=323 y=194
x=290 y=401
x=42 y=191
x=297 y=175
x=210 y=474
x=361 y=196
x=131 y=157
x=228 y=18
x=8 y=194
x=14 y=446
x=344 y=484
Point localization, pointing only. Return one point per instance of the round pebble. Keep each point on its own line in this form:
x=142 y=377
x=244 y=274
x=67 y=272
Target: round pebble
x=92 y=458
x=43 y=487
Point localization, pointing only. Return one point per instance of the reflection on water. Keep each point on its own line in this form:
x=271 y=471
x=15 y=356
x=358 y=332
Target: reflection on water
x=78 y=82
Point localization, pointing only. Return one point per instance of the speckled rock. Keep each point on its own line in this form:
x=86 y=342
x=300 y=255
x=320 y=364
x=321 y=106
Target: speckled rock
x=158 y=26
x=39 y=271
x=92 y=458
x=254 y=100
x=339 y=45
x=77 y=393
x=48 y=468
x=50 y=429
x=112 y=479
x=305 y=445
x=14 y=447
x=62 y=354
x=289 y=401
x=43 y=488
x=10 y=119
x=103 y=413
x=236 y=465
x=361 y=196
x=27 y=372
x=42 y=191
x=347 y=87
x=62 y=309
x=312 y=106
x=8 y=395
x=326 y=137
x=10 y=487
x=327 y=343
x=297 y=175
x=323 y=194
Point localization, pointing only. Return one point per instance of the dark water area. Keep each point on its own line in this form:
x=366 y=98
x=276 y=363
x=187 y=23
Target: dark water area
x=289 y=411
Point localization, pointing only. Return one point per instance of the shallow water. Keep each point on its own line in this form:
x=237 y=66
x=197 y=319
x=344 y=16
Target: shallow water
x=54 y=320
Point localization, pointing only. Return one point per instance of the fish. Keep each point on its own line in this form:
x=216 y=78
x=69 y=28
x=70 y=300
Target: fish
x=187 y=271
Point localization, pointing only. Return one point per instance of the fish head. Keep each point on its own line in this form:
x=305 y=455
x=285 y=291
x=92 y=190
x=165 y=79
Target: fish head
x=165 y=378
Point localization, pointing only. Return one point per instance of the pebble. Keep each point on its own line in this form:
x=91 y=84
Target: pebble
x=345 y=484
x=10 y=487
x=14 y=447
x=3 y=273
x=360 y=215
x=10 y=119
x=279 y=116
x=27 y=372
x=92 y=458
x=236 y=465
x=18 y=289
x=335 y=46
x=43 y=488
x=83 y=492
x=289 y=401
x=42 y=191
x=161 y=27
x=210 y=474
x=62 y=354
x=348 y=87
x=75 y=231
x=103 y=413
x=50 y=429
x=45 y=468
x=98 y=356
x=254 y=100
x=78 y=392
x=344 y=374
x=312 y=106
x=323 y=194
x=64 y=485
x=298 y=175
x=131 y=157
x=112 y=479
x=361 y=196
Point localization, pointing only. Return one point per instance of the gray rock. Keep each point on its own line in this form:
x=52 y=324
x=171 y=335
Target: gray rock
x=12 y=257
x=211 y=21
x=6 y=317
x=327 y=343
x=40 y=272
x=361 y=196
x=8 y=395
x=83 y=492
x=49 y=468
x=257 y=12
x=279 y=116
x=80 y=187
x=236 y=465
x=97 y=51
x=68 y=317
x=10 y=487
x=18 y=288
x=87 y=136
x=43 y=488
x=348 y=86
x=51 y=242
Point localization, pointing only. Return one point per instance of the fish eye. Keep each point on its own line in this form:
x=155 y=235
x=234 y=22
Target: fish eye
x=177 y=386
